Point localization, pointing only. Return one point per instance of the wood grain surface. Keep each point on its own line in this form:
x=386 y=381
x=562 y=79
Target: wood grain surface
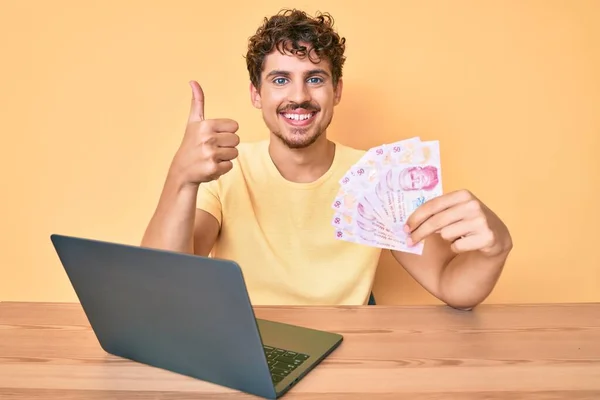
x=48 y=351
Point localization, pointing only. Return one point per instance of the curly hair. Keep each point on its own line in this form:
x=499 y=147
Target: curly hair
x=285 y=31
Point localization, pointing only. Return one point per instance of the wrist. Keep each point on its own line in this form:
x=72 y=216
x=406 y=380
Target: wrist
x=179 y=183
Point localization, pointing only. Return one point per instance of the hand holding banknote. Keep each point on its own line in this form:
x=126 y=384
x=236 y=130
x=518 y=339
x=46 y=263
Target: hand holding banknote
x=380 y=192
x=461 y=219
x=392 y=198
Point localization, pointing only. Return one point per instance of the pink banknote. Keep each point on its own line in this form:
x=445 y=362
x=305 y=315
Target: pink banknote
x=383 y=189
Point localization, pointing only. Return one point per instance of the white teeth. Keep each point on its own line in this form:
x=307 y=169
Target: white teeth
x=297 y=117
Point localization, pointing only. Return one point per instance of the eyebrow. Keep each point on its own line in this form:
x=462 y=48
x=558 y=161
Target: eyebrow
x=307 y=73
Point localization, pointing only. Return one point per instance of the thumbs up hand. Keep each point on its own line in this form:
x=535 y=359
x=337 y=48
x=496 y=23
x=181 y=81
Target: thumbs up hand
x=208 y=145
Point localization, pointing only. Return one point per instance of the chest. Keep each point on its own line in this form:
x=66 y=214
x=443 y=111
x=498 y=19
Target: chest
x=281 y=208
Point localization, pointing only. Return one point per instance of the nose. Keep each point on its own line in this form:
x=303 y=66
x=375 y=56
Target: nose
x=299 y=92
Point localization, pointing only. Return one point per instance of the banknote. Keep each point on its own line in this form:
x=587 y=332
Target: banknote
x=380 y=192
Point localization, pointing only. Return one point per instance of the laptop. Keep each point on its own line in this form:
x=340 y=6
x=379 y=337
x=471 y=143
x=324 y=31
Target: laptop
x=187 y=314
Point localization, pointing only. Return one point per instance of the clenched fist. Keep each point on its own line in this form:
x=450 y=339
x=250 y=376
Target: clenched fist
x=208 y=145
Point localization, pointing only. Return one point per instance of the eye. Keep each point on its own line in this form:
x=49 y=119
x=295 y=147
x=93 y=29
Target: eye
x=315 y=79
x=279 y=81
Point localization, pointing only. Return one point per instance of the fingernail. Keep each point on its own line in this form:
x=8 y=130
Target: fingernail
x=409 y=242
x=406 y=228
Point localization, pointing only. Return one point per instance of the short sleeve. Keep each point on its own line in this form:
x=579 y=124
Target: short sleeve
x=209 y=199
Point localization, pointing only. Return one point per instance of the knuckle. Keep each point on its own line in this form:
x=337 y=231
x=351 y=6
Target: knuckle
x=445 y=234
x=474 y=205
x=211 y=167
x=489 y=237
x=209 y=153
x=209 y=140
x=212 y=170
x=465 y=195
x=481 y=221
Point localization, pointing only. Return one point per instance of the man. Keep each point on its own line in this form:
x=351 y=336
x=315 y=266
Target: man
x=267 y=205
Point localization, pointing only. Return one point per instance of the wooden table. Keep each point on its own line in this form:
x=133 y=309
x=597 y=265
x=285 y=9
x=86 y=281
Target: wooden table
x=48 y=351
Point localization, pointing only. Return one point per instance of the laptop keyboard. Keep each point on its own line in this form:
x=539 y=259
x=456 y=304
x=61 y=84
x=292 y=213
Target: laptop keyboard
x=282 y=362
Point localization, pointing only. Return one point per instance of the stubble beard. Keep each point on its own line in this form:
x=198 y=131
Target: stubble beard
x=299 y=138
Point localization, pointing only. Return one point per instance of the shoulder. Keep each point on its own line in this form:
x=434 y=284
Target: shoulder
x=348 y=150
x=348 y=155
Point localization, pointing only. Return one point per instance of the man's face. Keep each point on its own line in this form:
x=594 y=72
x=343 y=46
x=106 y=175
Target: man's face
x=417 y=178
x=297 y=98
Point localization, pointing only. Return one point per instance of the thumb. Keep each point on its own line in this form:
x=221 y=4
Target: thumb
x=197 y=107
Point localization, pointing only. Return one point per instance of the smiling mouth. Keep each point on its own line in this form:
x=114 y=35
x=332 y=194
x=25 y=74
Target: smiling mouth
x=299 y=118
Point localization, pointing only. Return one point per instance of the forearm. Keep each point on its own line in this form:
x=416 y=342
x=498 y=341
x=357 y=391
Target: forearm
x=172 y=225
x=470 y=277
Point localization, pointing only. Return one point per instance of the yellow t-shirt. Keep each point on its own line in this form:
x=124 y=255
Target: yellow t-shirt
x=280 y=232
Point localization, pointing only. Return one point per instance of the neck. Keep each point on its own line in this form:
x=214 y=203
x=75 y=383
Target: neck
x=302 y=165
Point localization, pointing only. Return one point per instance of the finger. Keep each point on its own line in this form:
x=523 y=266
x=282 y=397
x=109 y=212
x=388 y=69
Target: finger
x=458 y=229
x=197 y=106
x=224 y=125
x=214 y=170
x=227 y=139
x=438 y=221
x=469 y=243
x=224 y=166
x=225 y=153
x=435 y=206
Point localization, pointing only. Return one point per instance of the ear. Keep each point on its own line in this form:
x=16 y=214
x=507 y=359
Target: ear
x=338 y=92
x=255 y=96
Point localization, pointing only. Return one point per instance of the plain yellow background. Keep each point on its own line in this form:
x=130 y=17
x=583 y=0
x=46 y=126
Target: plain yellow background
x=94 y=99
